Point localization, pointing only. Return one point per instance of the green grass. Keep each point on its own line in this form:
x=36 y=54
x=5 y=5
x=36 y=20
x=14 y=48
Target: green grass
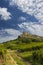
x=25 y=51
x=14 y=45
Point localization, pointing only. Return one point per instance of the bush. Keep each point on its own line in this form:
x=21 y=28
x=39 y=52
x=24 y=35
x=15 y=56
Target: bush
x=25 y=40
x=37 y=58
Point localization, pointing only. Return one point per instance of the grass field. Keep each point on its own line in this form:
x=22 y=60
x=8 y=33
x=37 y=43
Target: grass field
x=22 y=53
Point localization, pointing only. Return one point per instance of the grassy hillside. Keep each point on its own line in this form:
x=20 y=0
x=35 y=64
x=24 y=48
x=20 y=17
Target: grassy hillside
x=22 y=51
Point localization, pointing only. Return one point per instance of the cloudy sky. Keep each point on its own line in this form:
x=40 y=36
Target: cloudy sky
x=17 y=16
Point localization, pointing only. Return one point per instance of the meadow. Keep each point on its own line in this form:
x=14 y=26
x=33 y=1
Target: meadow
x=22 y=53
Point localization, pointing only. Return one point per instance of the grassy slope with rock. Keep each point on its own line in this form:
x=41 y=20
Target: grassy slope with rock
x=26 y=50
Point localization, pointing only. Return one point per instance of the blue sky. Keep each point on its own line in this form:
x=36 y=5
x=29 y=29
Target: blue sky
x=17 y=16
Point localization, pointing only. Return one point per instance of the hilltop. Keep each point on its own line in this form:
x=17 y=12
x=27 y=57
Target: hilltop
x=33 y=38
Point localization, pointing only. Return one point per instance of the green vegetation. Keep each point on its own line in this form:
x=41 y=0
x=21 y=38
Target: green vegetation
x=23 y=50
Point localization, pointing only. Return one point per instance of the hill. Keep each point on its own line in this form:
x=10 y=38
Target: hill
x=27 y=49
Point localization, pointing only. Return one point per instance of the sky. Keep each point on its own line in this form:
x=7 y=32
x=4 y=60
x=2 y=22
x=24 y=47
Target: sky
x=17 y=16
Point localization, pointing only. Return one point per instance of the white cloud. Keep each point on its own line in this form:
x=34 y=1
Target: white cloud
x=8 y=34
x=7 y=38
x=22 y=18
x=13 y=32
x=32 y=7
x=32 y=28
x=4 y=14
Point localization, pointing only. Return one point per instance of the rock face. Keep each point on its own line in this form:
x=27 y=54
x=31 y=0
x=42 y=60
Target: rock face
x=25 y=34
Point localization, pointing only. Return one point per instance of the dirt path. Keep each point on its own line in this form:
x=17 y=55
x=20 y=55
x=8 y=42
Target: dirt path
x=9 y=59
x=27 y=63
